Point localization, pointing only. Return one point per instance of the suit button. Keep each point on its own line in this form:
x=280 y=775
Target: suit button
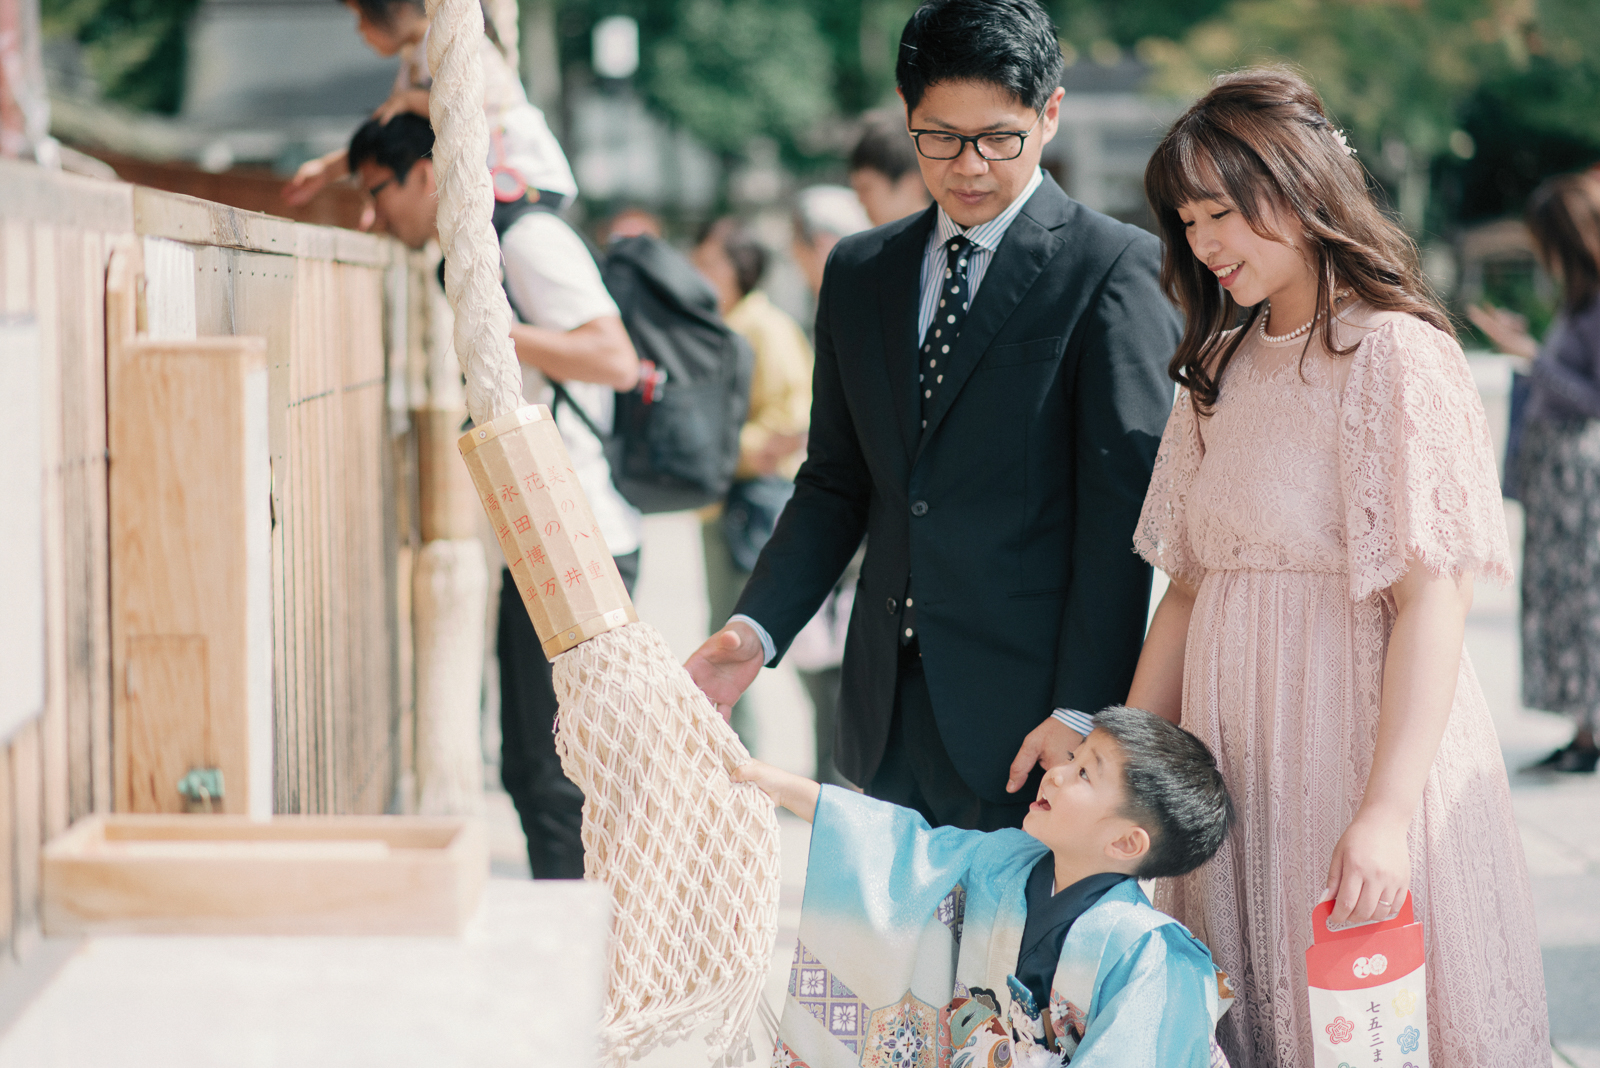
x=919 y=508
x=891 y=606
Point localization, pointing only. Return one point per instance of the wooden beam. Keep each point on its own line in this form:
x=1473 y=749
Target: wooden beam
x=190 y=571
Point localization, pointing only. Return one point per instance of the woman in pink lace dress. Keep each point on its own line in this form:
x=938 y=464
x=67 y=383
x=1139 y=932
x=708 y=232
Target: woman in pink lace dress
x=1324 y=496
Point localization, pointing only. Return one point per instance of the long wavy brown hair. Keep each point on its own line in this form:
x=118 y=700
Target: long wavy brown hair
x=1261 y=142
x=1564 y=217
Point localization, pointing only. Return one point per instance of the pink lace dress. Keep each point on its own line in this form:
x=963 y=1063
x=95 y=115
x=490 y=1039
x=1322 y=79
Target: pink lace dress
x=1292 y=508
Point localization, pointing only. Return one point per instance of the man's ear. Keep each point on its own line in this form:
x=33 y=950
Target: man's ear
x=1051 y=115
x=1129 y=846
x=424 y=168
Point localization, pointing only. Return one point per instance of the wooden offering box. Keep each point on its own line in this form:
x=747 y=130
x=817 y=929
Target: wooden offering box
x=292 y=875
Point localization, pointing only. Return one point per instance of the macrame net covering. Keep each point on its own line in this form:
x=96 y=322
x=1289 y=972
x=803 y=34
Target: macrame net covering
x=690 y=857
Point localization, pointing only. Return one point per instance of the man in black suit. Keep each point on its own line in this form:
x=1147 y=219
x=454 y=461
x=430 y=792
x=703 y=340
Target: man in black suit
x=990 y=390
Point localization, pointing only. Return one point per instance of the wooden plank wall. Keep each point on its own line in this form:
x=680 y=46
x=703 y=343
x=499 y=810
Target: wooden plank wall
x=319 y=298
x=56 y=233
x=325 y=302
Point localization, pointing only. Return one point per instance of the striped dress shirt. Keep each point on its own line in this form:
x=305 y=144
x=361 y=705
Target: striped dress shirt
x=985 y=238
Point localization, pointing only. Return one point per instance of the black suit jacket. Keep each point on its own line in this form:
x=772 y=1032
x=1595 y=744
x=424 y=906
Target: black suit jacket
x=1011 y=517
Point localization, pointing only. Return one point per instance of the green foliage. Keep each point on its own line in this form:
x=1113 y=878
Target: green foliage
x=1521 y=80
x=730 y=70
x=734 y=70
x=135 y=49
x=1083 y=22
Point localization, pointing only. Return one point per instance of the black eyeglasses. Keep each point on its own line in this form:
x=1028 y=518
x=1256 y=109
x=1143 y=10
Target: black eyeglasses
x=995 y=147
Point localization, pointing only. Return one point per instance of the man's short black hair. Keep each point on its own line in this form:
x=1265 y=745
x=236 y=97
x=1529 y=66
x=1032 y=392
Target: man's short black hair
x=397 y=144
x=884 y=147
x=1011 y=44
x=1174 y=790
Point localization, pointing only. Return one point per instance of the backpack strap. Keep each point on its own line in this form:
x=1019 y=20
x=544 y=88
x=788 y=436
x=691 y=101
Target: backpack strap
x=563 y=395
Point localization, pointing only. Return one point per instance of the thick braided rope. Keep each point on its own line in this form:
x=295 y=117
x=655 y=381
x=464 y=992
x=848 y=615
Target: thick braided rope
x=466 y=202
x=692 y=858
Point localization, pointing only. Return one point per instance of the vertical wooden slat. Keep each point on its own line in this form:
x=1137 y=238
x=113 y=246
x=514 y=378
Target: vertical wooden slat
x=62 y=403
x=97 y=518
x=8 y=853
x=26 y=798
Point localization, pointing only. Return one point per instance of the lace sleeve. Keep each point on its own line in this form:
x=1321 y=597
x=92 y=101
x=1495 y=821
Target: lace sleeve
x=1162 y=536
x=1416 y=462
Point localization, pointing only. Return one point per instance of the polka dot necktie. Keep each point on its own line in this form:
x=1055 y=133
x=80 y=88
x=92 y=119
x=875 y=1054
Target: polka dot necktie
x=948 y=316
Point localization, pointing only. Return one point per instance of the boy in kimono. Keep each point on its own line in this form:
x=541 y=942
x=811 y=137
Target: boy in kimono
x=948 y=948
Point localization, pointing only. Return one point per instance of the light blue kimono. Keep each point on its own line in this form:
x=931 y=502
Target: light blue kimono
x=909 y=936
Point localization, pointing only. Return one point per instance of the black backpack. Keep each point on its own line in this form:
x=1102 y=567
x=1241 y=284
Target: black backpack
x=674 y=443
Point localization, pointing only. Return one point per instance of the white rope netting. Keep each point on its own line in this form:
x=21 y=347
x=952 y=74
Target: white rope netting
x=692 y=858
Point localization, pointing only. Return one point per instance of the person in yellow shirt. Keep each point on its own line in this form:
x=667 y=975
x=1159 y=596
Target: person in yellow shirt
x=772 y=442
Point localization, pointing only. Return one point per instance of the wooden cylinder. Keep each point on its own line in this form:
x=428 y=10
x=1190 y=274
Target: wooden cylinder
x=450 y=597
x=553 y=546
x=446 y=507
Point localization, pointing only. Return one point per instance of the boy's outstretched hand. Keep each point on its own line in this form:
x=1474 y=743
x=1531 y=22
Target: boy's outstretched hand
x=794 y=792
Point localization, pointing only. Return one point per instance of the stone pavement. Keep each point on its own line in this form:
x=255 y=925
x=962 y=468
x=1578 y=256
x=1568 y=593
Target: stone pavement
x=1559 y=817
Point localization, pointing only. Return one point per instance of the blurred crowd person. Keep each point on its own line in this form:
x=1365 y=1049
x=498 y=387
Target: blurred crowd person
x=822 y=215
x=630 y=222
x=1556 y=469
x=772 y=442
x=884 y=171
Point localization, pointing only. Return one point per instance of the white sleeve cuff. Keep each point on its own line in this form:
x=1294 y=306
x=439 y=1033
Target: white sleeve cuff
x=767 y=647
x=1082 y=722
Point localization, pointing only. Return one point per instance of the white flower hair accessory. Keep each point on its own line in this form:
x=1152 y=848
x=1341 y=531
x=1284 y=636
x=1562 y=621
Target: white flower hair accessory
x=1338 y=135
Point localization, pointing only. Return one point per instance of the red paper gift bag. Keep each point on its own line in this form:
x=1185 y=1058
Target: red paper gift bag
x=1368 y=992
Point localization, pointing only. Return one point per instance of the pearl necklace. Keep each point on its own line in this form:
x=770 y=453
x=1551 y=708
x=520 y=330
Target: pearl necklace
x=1338 y=298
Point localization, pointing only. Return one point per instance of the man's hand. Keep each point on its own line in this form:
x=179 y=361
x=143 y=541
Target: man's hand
x=726 y=664
x=1049 y=744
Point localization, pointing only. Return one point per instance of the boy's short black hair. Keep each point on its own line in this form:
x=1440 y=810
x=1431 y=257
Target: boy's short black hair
x=397 y=144
x=378 y=11
x=1174 y=790
x=884 y=147
x=1010 y=44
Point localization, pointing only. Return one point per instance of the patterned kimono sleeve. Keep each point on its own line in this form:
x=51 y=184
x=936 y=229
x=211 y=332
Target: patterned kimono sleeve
x=1151 y=1007
x=1416 y=462
x=1162 y=536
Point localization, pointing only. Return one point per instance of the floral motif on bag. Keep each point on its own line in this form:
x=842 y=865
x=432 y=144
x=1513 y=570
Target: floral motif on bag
x=1341 y=1030
x=1409 y=1040
x=1405 y=1002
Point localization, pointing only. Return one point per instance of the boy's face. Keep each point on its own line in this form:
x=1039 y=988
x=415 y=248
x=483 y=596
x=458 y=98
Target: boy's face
x=1078 y=813
x=971 y=189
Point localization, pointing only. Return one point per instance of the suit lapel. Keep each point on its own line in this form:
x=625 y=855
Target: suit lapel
x=1028 y=245
x=899 y=293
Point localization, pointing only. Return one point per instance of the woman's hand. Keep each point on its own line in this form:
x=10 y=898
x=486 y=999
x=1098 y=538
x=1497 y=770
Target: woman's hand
x=1507 y=329
x=313 y=175
x=796 y=793
x=1371 y=870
